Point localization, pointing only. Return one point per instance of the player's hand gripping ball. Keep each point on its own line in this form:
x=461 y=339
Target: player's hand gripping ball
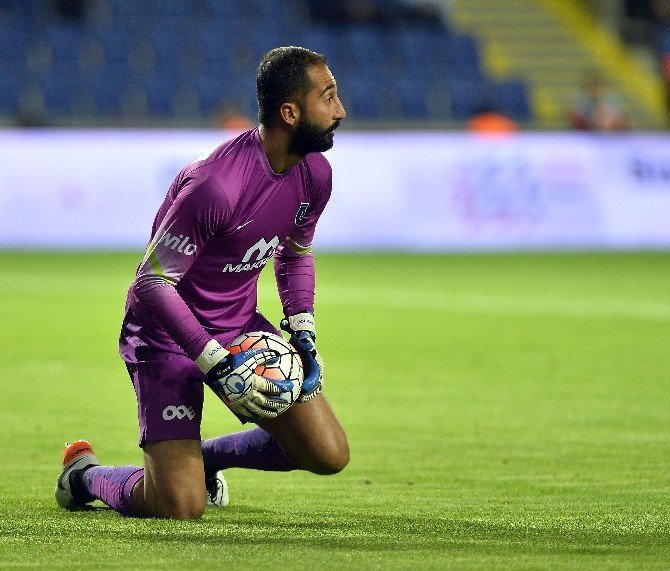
x=302 y=329
x=283 y=373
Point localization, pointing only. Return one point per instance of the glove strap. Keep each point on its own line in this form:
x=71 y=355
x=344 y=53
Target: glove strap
x=210 y=356
x=303 y=322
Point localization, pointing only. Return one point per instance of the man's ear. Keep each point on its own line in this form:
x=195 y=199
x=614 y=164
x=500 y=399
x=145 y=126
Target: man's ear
x=289 y=113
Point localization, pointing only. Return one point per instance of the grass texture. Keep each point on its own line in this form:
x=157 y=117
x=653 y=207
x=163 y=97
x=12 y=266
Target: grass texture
x=504 y=411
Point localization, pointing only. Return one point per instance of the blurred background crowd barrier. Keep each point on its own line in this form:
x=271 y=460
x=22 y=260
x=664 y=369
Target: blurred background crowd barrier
x=391 y=190
x=428 y=64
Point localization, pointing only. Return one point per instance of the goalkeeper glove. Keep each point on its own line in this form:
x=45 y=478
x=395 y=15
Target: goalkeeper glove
x=302 y=330
x=233 y=380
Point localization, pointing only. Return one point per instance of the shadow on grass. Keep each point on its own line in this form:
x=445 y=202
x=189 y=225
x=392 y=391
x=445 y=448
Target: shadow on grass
x=241 y=526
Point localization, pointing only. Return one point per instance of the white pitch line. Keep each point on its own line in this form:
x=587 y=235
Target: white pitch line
x=438 y=301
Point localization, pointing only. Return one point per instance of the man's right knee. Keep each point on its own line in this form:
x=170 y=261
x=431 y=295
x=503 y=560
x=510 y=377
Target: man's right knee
x=168 y=503
x=180 y=507
x=174 y=480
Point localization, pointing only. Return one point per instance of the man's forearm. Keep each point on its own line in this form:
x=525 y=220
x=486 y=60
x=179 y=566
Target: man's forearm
x=295 y=280
x=167 y=306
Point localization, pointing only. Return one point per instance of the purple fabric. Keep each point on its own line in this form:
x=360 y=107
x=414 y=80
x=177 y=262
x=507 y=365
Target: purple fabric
x=170 y=390
x=295 y=280
x=253 y=449
x=170 y=394
x=222 y=221
x=113 y=485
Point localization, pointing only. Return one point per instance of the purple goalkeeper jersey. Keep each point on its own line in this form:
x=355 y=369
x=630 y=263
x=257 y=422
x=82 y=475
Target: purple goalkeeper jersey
x=225 y=216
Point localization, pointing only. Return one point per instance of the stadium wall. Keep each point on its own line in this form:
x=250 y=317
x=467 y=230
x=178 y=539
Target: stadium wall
x=394 y=191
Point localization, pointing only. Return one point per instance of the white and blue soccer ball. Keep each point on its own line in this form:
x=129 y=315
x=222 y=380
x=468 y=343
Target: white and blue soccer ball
x=286 y=370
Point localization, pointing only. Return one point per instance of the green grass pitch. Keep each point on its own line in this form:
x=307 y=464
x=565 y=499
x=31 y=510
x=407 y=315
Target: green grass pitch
x=508 y=411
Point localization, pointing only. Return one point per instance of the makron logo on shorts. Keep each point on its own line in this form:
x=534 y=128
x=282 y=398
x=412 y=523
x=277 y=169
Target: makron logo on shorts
x=261 y=252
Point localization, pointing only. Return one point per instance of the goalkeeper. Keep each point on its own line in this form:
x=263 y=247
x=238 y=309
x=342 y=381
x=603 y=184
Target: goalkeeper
x=252 y=199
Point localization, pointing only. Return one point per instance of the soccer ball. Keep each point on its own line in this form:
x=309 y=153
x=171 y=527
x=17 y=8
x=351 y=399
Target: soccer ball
x=286 y=369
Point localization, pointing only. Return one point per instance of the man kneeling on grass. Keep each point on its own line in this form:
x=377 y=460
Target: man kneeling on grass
x=225 y=216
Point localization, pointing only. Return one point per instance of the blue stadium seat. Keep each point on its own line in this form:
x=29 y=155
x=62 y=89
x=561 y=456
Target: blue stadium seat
x=132 y=14
x=214 y=91
x=14 y=42
x=271 y=9
x=467 y=96
x=464 y=57
x=116 y=47
x=216 y=46
x=168 y=10
x=512 y=99
x=363 y=104
x=226 y=10
x=367 y=46
x=317 y=38
x=200 y=10
x=412 y=98
x=329 y=42
x=58 y=92
x=424 y=51
x=108 y=89
x=264 y=40
x=270 y=14
x=168 y=49
x=415 y=48
x=65 y=41
x=217 y=70
x=64 y=38
x=159 y=89
x=10 y=87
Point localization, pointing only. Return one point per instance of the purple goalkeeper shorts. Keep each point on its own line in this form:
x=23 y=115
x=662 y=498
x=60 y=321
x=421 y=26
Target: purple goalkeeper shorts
x=169 y=389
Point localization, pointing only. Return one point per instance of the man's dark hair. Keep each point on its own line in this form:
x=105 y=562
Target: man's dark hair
x=282 y=76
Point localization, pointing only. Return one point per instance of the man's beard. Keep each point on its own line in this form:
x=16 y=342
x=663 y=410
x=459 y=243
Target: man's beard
x=310 y=138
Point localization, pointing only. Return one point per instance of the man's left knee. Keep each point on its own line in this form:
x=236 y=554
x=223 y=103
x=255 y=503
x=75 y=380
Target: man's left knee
x=332 y=459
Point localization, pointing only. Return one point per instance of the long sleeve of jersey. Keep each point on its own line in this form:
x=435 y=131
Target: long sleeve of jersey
x=186 y=225
x=295 y=279
x=164 y=302
x=294 y=261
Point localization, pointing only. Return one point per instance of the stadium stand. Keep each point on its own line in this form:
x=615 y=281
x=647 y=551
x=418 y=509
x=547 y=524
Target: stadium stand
x=151 y=61
x=550 y=44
